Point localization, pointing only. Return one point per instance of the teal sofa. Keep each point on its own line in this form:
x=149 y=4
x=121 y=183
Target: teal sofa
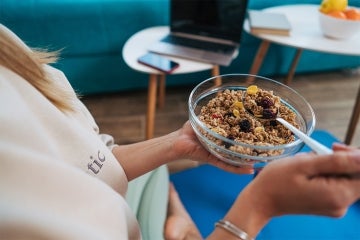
x=92 y=33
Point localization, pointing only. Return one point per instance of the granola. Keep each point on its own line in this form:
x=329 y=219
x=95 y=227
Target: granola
x=228 y=115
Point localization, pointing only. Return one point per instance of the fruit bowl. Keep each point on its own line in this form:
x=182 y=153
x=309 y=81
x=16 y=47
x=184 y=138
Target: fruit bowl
x=338 y=28
x=253 y=153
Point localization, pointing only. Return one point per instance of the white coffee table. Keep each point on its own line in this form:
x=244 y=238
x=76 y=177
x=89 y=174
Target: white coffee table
x=306 y=34
x=136 y=46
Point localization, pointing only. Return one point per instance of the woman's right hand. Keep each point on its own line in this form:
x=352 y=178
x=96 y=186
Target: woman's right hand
x=303 y=184
x=310 y=184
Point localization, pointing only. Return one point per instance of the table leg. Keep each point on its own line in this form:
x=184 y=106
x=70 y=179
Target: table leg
x=151 y=106
x=293 y=66
x=353 y=120
x=162 y=90
x=259 y=57
x=215 y=71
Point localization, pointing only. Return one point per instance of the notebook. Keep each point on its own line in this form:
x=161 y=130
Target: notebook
x=204 y=30
x=269 y=23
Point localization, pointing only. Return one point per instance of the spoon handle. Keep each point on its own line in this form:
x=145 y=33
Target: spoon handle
x=313 y=144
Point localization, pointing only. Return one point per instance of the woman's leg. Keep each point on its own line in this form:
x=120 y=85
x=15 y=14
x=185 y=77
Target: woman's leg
x=148 y=198
x=158 y=208
x=179 y=225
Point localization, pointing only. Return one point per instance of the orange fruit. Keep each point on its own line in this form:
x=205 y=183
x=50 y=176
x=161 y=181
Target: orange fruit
x=352 y=14
x=337 y=14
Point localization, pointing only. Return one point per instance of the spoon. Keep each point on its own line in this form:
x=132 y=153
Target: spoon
x=316 y=146
x=312 y=143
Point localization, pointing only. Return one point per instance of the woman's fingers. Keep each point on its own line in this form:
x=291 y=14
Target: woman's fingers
x=342 y=147
x=337 y=177
x=233 y=169
x=339 y=163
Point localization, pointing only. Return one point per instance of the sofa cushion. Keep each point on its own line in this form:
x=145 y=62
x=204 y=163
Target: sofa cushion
x=86 y=27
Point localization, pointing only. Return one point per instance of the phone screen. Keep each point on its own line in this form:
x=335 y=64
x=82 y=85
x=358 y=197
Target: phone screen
x=158 y=62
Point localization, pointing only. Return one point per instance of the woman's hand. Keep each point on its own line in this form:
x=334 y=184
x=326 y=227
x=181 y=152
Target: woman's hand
x=303 y=184
x=310 y=184
x=142 y=157
x=188 y=147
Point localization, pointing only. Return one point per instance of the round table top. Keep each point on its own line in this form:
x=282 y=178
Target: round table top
x=306 y=32
x=138 y=44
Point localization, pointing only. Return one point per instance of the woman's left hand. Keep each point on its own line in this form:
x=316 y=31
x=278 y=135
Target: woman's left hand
x=188 y=147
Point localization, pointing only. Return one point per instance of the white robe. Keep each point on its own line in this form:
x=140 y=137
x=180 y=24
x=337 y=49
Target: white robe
x=58 y=177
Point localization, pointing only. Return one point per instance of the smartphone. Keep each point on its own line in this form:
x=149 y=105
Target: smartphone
x=158 y=62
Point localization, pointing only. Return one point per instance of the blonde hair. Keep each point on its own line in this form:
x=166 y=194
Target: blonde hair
x=28 y=64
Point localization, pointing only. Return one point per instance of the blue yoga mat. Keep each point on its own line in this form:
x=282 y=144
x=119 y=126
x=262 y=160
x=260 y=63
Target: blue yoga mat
x=208 y=193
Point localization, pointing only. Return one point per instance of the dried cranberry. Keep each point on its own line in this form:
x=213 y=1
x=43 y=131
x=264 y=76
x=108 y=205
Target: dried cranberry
x=215 y=115
x=245 y=125
x=269 y=114
x=228 y=145
x=273 y=123
x=266 y=102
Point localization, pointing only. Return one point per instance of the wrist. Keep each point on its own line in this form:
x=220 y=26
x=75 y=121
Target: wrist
x=248 y=214
x=234 y=230
x=139 y=158
x=180 y=145
x=174 y=151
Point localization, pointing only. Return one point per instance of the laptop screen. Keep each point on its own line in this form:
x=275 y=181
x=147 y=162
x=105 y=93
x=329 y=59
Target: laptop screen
x=209 y=18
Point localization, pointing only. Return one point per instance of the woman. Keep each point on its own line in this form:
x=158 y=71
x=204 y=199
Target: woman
x=61 y=179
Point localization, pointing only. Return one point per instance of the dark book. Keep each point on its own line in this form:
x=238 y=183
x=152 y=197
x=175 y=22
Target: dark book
x=268 y=23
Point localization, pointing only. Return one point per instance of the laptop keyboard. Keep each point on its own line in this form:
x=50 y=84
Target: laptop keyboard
x=186 y=42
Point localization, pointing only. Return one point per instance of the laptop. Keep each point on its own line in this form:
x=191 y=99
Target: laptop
x=204 y=30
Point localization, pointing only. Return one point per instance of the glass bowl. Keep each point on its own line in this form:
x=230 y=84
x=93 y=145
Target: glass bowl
x=258 y=154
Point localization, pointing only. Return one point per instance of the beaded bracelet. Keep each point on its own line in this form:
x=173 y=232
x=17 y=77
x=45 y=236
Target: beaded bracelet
x=233 y=229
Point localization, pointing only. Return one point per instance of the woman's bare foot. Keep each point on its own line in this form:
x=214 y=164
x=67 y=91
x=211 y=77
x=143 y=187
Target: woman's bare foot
x=179 y=225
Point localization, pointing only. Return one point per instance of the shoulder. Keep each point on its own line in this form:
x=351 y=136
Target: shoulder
x=12 y=35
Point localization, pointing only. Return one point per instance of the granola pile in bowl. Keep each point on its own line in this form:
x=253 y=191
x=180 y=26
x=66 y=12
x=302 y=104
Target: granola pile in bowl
x=233 y=117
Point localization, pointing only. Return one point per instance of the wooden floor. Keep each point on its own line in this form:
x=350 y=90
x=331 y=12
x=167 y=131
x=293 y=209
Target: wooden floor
x=332 y=96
